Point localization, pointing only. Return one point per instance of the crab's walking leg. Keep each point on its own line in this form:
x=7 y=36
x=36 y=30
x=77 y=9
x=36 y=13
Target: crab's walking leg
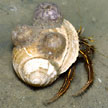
x=65 y=85
x=90 y=73
x=80 y=31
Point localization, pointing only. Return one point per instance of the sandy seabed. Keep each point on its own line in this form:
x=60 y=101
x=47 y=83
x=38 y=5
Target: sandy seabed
x=92 y=15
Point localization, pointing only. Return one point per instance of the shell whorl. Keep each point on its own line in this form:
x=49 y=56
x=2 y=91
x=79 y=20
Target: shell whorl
x=32 y=69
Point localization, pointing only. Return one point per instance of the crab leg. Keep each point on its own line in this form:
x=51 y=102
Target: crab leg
x=89 y=68
x=65 y=85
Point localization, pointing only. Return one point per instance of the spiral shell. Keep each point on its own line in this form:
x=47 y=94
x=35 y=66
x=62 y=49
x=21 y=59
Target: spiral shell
x=41 y=55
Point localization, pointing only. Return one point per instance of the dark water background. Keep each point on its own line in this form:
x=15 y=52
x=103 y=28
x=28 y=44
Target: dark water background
x=92 y=15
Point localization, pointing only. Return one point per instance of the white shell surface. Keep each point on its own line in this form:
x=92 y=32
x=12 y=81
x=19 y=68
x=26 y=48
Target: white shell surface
x=72 y=46
x=39 y=69
x=35 y=69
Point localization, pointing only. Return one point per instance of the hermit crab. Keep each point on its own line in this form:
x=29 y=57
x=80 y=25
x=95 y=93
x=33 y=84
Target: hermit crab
x=48 y=48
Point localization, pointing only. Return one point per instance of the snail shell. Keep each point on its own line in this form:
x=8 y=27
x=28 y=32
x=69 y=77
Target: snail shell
x=41 y=55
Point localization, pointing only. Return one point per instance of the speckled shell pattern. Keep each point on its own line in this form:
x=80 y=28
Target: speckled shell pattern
x=38 y=69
